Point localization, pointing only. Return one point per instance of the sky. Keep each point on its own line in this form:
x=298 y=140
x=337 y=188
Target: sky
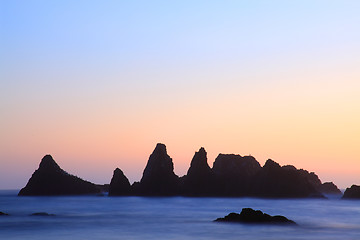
x=97 y=84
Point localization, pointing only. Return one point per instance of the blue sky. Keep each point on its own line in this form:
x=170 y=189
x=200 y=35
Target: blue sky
x=132 y=73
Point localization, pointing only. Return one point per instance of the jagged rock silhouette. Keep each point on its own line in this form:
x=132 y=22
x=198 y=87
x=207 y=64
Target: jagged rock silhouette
x=119 y=184
x=50 y=179
x=231 y=176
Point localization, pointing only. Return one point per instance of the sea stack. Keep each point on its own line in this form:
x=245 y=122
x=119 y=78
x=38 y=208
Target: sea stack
x=159 y=178
x=234 y=174
x=119 y=185
x=274 y=181
x=199 y=180
x=50 y=179
x=352 y=193
x=330 y=188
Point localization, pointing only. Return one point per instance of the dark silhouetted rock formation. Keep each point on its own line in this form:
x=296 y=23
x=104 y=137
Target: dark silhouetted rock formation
x=274 y=181
x=50 y=179
x=313 y=179
x=352 y=193
x=234 y=174
x=330 y=188
x=231 y=176
x=119 y=184
x=3 y=214
x=42 y=214
x=199 y=180
x=248 y=215
x=159 y=178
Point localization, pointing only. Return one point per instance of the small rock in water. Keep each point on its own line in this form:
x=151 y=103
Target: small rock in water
x=42 y=214
x=249 y=215
x=3 y=214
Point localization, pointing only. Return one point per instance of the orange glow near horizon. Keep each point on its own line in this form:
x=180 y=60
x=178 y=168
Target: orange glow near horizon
x=277 y=81
x=317 y=133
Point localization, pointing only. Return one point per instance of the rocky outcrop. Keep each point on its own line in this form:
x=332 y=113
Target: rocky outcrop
x=234 y=174
x=314 y=180
x=330 y=188
x=42 y=214
x=231 y=176
x=232 y=164
x=119 y=185
x=250 y=216
x=274 y=181
x=352 y=193
x=50 y=179
x=159 y=178
x=199 y=180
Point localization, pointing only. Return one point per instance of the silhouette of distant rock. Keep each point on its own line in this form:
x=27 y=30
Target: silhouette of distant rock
x=249 y=215
x=330 y=188
x=352 y=193
x=3 y=214
x=50 y=179
x=159 y=178
x=234 y=174
x=274 y=181
x=313 y=179
x=119 y=184
x=199 y=180
x=231 y=176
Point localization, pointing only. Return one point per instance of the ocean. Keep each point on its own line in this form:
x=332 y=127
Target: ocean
x=103 y=217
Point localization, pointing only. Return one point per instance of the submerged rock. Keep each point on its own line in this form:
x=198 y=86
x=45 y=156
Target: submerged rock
x=50 y=179
x=119 y=185
x=44 y=214
x=3 y=214
x=352 y=193
x=159 y=178
x=249 y=215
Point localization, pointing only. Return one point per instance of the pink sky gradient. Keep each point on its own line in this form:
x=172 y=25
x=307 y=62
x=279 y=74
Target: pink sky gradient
x=98 y=85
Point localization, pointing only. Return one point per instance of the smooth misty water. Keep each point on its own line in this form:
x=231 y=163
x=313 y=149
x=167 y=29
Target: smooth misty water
x=92 y=217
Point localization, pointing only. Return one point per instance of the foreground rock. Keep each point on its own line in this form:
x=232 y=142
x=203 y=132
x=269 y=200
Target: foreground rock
x=159 y=178
x=3 y=214
x=119 y=185
x=50 y=179
x=249 y=215
x=352 y=193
